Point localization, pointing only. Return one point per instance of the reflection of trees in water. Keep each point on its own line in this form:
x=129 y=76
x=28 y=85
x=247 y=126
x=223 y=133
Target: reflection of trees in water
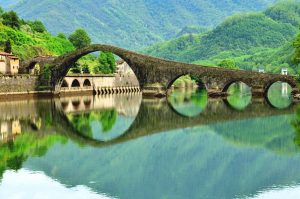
x=83 y=122
x=277 y=98
x=296 y=125
x=13 y=154
x=188 y=102
x=239 y=96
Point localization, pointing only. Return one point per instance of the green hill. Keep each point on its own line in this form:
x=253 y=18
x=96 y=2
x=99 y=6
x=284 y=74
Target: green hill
x=27 y=43
x=253 y=40
x=132 y=24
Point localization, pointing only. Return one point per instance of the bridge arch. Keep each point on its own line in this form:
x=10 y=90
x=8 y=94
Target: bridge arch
x=65 y=84
x=87 y=83
x=199 y=81
x=63 y=64
x=231 y=82
x=75 y=83
x=268 y=85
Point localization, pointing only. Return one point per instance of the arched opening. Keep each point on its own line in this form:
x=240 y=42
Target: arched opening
x=187 y=95
x=279 y=95
x=34 y=68
x=239 y=95
x=75 y=83
x=87 y=83
x=114 y=71
x=65 y=84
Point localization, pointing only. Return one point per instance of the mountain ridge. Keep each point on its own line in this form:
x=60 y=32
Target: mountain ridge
x=132 y=25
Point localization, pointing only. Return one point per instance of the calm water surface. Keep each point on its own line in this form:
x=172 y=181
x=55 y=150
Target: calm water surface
x=187 y=146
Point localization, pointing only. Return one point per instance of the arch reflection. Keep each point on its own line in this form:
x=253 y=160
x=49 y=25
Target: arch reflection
x=239 y=97
x=279 y=95
x=188 y=103
x=105 y=117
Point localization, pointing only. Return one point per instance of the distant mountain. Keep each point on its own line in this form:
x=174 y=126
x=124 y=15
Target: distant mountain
x=253 y=40
x=132 y=24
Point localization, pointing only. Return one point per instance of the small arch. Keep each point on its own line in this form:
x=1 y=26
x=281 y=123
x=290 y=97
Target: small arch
x=65 y=84
x=87 y=83
x=75 y=83
x=198 y=80
x=269 y=84
x=229 y=84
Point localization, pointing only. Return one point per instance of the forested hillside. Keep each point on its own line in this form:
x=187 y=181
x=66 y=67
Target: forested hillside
x=28 y=39
x=132 y=24
x=255 y=40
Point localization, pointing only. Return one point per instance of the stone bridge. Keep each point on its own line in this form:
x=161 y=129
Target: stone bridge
x=157 y=75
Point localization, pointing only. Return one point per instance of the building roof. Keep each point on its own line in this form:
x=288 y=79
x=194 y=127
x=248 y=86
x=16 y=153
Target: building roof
x=4 y=53
x=12 y=57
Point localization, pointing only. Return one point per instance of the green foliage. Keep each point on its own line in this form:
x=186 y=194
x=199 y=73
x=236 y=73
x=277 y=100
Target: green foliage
x=228 y=63
x=125 y=25
x=45 y=75
x=86 y=69
x=37 y=26
x=80 y=38
x=107 y=63
x=296 y=55
x=278 y=12
x=8 y=48
x=75 y=68
x=192 y=30
x=255 y=40
x=1 y=11
x=61 y=35
x=27 y=45
x=11 y=19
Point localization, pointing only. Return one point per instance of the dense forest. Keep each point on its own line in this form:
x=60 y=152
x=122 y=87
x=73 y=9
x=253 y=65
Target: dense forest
x=130 y=24
x=253 y=40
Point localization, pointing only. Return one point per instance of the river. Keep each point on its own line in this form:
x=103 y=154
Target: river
x=127 y=146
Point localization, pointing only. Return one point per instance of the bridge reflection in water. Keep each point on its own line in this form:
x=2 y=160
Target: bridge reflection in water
x=105 y=120
x=121 y=139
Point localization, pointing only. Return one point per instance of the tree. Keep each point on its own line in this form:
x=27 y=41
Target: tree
x=8 y=48
x=86 y=69
x=228 y=63
x=1 y=11
x=296 y=55
x=80 y=38
x=107 y=63
x=11 y=19
x=76 y=69
x=37 y=26
x=61 y=35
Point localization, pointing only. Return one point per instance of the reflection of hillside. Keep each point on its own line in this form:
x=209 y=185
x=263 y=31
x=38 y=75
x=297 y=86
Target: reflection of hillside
x=159 y=142
x=272 y=133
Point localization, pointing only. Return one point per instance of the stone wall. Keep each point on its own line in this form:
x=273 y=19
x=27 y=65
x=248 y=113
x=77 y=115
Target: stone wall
x=18 y=83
